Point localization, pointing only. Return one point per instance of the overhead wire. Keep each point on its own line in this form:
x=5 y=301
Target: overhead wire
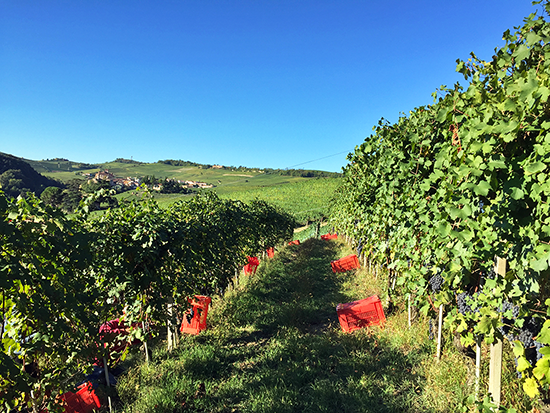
x=293 y=166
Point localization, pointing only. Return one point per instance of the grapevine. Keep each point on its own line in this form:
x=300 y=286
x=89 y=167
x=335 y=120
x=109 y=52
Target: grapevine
x=458 y=182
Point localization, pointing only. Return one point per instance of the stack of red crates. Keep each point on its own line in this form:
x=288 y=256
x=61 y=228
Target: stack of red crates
x=252 y=265
x=345 y=264
x=295 y=242
x=329 y=236
x=270 y=252
x=358 y=314
x=194 y=321
x=84 y=401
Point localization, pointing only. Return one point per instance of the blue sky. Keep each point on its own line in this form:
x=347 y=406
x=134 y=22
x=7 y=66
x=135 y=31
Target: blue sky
x=260 y=83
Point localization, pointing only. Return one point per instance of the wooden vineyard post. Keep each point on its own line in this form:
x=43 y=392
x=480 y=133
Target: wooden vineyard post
x=145 y=342
x=107 y=380
x=409 y=300
x=439 y=328
x=169 y=324
x=478 y=365
x=495 y=364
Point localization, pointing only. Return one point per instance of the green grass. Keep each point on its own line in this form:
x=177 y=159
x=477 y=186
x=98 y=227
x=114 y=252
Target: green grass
x=275 y=345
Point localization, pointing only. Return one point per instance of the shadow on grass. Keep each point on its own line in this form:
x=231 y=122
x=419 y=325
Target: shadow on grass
x=276 y=346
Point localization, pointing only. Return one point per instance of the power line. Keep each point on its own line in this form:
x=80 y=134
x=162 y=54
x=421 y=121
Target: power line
x=290 y=167
x=315 y=160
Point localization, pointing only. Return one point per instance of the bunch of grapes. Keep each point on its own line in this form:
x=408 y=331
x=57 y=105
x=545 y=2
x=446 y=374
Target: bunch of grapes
x=430 y=329
x=505 y=330
x=527 y=334
x=359 y=248
x=436 y=282
x=463 y=307
x=507 y=305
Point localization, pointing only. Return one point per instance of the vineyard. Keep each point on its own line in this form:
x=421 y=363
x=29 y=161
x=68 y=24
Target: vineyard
x=439 y=196
x=447 y=210
x=64 y=277
x=307 y=201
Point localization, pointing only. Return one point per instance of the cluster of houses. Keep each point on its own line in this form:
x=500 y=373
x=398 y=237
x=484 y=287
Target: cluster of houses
x=132 y=183
x=195 y=184
x=123 y=183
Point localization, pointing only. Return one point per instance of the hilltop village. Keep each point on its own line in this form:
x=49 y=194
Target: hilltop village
x=129 y=183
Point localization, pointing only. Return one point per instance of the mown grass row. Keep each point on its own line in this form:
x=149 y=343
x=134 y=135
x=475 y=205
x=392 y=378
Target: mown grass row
x=275 y=345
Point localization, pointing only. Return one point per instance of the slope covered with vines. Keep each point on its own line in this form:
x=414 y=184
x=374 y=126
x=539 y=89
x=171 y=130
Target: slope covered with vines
x=62 y=277
x=437 y=195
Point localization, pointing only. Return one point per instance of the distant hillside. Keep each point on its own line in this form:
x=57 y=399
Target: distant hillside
x=18 y=177
x=59 y=165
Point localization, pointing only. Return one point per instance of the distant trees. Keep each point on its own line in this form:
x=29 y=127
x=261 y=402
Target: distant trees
x=13 y=184
x=179 y=162
x=123 y=160
x=304 y=173
x=52 y=196
x=68 y=198
x=17 y=177
x=170 y=186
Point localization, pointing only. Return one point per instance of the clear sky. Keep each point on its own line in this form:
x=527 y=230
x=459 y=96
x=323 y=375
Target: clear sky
x=259 y=83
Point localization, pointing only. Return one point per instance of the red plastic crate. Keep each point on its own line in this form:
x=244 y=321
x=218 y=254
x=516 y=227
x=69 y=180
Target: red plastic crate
x=84 y=401
x=345 y=264
x=329 y=236
x=270 y=252
x=194 y=320
x=252 y=265
x=295 y=242
x=358 y=314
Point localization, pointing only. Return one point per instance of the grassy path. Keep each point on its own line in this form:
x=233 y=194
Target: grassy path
x=275 y=345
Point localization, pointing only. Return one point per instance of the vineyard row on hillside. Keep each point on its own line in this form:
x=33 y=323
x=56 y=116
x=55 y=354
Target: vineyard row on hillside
x=62 y=277
x=438 y=195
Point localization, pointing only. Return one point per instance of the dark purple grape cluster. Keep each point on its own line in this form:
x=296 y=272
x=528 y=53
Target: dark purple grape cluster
x=538 y=347
x=505 y=331
x=463 y=306
x=527 y=334
x=507 y=305
x=430 y=329
x=436 y=282
x=359 y=248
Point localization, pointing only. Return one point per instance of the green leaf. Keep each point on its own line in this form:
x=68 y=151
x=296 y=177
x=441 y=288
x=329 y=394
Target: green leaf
x=532 y=38
x=534 y=168
x=531 y=388
x=496 y=164
x=517 y=193
x=539 y=265
x=542 y=369
x=444 y=228
x=482 y=188
x=544 y=334
x=485 y=325
x=518 y=349
x=522 y=52
x=523 y=364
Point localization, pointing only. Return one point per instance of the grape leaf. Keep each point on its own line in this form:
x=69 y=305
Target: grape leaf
x=530 y=387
